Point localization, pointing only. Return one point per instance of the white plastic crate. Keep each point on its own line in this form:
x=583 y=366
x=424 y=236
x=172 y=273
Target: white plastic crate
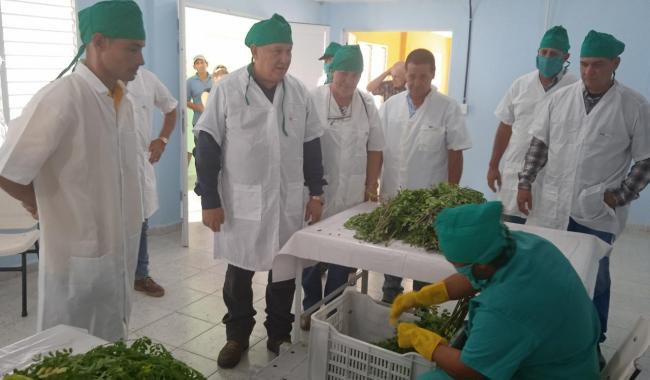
x=341 y=343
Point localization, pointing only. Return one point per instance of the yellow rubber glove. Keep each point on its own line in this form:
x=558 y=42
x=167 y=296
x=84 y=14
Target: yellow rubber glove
x=429 y=295
x=433 y=294
x=423 y=340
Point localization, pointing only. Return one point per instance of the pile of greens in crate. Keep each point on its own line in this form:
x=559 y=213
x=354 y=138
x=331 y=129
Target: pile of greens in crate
x=409 y=216
x=443 y=323
x=142 y=360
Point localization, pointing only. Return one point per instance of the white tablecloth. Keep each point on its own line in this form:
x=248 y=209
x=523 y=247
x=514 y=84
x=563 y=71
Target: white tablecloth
x=330 y=242
x=21 y=353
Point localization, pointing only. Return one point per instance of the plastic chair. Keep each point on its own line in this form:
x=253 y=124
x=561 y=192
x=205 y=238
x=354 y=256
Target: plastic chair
x=18 y=236
x=623 y=365
x=13 y=216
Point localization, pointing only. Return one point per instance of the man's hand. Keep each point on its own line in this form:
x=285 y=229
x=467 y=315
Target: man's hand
x=213 y=218
x=433 y=294
x=313 y=211
x=424 y=341
x=196 y=107
x=610 y=199
x=525 y=201
x=493 y=175
x=31 y=208
x=156 y=149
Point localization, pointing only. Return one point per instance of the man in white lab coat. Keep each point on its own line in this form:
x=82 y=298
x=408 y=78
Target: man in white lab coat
x=586 y=135
x=425 y=137
x=260 y=123
x=71 y=158
x=516 y=112
x=352 y=154
x=147 y=92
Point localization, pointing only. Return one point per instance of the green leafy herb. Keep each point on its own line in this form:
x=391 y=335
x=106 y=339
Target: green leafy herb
x=143 y=360
x=409 y=216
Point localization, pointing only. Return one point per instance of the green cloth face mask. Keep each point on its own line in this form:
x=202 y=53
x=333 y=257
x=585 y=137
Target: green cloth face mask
x=327 y=67
x=467 y=271
x=549 y=66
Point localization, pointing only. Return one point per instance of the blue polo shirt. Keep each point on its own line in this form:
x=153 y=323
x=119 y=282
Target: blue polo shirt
x=195 y=88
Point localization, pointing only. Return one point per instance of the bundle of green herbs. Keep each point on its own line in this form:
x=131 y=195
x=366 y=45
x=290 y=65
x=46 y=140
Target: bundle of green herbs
x=443 y=323
x=409 y=216
x=143 y=360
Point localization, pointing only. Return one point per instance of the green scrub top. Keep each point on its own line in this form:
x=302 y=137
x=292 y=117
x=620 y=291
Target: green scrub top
x=533 y=321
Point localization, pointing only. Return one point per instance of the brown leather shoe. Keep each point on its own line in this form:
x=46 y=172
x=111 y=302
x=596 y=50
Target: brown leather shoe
x=273 y=344
x=230 y=354
x=149 y=287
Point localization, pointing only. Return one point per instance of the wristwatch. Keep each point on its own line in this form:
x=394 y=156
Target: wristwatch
x=165 y=140
x=319 y=198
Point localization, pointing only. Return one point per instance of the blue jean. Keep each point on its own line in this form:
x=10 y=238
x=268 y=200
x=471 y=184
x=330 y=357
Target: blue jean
x=603 y=280
x=393 y=287
x=337 y=275
x=142 y=269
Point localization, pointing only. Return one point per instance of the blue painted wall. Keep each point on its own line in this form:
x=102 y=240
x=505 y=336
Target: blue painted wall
x=306 y=11
x=505 y=38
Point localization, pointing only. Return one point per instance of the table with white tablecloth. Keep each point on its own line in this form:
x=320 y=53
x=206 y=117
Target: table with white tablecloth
x=329 y=241
x=21 y=354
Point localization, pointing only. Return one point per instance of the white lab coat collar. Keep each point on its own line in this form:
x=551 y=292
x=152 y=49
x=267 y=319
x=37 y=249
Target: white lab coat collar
x=613 y=87
x=434 y=90
x=94 y=81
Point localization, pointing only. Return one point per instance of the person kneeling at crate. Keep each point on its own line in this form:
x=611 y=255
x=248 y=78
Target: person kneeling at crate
x=532 y=317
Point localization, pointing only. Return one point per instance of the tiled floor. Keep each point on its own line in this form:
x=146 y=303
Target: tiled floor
x=188 y=318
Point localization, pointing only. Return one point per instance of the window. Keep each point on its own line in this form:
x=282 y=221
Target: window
x=38 y=40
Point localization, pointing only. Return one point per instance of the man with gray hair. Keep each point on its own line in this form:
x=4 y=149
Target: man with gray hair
x=258 y=147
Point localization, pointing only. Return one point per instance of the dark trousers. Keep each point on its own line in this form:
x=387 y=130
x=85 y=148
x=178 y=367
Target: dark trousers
x=514 y=219
x=603 y=280
x=393 y=287
x=240 y=318
x=337 y=275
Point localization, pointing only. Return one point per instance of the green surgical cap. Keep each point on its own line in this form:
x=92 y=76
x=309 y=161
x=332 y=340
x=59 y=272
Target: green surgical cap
x=275 y=30
x=113 y=19
x=556 y=38
x=348 y=58
x=471 y=234
x=331 y=50
x=598 y=44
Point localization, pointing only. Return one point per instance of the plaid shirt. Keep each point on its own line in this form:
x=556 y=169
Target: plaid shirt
x=536 y=158
x=386 y=89
x=590 y=100
x=636 y=180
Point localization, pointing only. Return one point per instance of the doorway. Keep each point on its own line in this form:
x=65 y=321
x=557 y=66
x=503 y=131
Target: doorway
x=381 y=50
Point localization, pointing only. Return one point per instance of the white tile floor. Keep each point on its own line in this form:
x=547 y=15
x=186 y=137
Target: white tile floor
x=188 y=318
